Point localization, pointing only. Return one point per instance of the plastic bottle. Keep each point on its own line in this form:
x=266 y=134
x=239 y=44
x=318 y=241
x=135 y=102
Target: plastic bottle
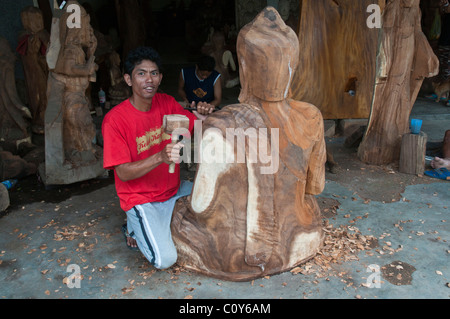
x=10 y=183
x=101 y=97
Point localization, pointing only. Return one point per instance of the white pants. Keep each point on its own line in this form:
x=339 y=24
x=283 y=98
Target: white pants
x=149 y=224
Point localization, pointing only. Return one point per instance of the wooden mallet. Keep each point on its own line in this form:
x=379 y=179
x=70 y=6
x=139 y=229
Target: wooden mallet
x=173 y=123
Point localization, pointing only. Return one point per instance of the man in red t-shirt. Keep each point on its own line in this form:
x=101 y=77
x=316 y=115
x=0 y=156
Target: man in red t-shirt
x=139 y=152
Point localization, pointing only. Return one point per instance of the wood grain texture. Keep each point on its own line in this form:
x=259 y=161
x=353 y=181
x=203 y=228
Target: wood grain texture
x=242 y=221
x=337 y=54
x=412 y=153
x=405 y=58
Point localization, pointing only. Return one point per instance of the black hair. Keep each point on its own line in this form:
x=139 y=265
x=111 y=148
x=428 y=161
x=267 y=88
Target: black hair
x=136 y=56
x=206 y=63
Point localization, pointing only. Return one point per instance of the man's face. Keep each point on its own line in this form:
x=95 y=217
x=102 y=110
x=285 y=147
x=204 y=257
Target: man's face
x=202 y=74
x=145 y=79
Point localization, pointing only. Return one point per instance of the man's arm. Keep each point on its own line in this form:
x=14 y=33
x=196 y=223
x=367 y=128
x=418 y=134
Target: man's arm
x=133 y=170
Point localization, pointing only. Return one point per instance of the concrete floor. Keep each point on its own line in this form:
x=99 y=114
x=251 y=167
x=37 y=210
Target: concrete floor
x=47 y=236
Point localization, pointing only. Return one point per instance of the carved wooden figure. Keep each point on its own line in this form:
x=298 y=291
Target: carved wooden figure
x=75 y=68
x=252 y=211
x=119 y=90
x=405 y=59
x=14 y=115
x=70 y=153
x=33 y=43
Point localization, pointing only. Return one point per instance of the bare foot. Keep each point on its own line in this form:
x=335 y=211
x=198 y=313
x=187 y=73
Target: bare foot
x=131 y=242
x=438 y=162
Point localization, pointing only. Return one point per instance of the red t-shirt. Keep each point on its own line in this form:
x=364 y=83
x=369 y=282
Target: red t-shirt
x=131 y=135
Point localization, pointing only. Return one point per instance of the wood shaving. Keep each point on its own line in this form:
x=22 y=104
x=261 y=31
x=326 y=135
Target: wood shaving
x=341 y=244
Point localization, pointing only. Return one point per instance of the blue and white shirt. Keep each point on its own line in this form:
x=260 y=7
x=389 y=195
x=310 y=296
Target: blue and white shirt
x=199 y=90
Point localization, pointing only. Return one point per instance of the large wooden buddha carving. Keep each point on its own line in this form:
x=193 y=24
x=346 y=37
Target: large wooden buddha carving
x=252 y=211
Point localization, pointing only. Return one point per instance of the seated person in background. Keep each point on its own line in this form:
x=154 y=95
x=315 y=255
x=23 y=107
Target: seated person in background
x=443 y=162
x=200 y=85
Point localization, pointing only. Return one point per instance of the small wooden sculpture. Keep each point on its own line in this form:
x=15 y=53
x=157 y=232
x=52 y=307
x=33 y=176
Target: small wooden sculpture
x=14 y=115
x=70 y=152
x=405 y=59
x=119 y=90
x=252 y=218
x=33 y=43
x=75 y=68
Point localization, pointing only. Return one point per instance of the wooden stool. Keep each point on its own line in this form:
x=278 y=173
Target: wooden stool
x=412 y=153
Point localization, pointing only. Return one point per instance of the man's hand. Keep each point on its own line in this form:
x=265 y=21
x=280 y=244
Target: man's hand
x=129 y=171
x=171 y=153
x=205 y=108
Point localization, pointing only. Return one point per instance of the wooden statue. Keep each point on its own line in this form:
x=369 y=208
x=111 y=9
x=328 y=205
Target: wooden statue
x=405 y=59
x=70 y=152
x=75 y=68
x=33 y=43
x=256 y=216
x=119 y=90
x=14 y=115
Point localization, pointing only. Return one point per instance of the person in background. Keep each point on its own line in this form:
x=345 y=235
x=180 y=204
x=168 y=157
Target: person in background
x=444 y=161
x=200 y=85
